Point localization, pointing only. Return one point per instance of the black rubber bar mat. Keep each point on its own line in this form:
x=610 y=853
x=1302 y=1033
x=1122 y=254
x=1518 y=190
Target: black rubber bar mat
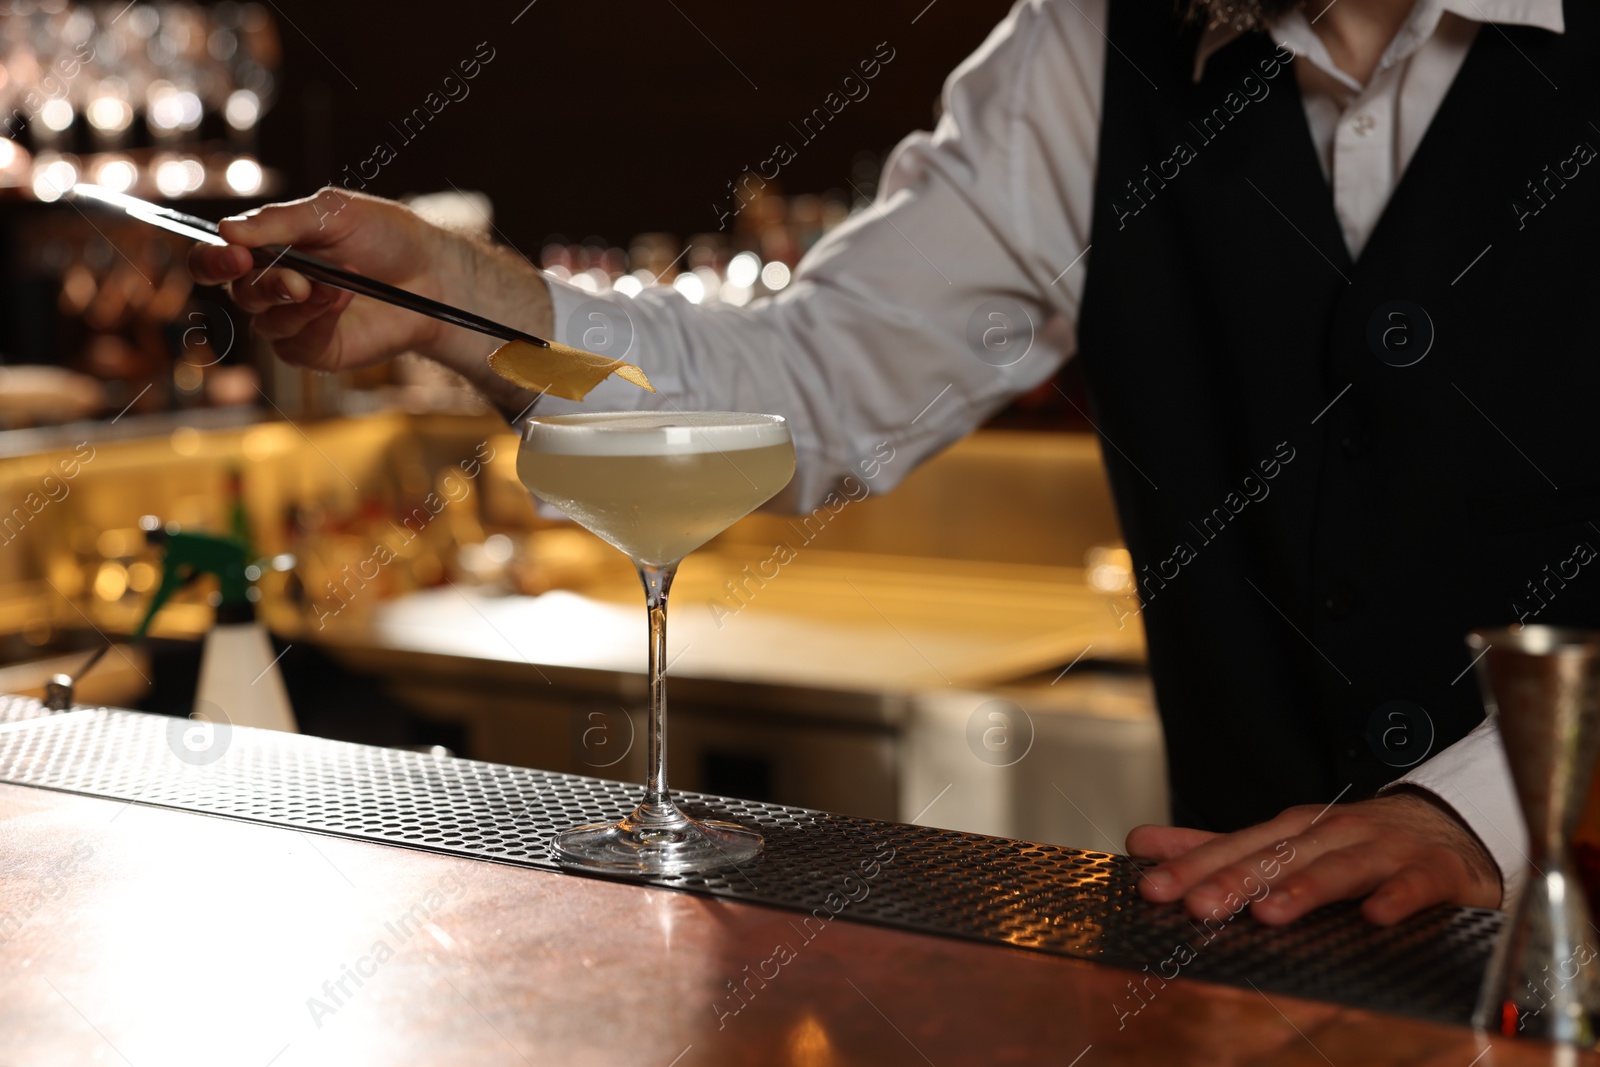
x=1043 y=897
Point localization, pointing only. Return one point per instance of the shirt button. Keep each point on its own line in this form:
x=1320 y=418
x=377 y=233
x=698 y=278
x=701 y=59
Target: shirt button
x=1363 y=124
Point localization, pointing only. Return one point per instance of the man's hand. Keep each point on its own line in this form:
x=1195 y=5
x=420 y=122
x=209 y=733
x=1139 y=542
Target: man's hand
x=307 y=323
x=316 y=326
x=1407 y=850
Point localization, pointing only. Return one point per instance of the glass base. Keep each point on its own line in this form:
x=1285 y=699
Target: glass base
x=656 y=839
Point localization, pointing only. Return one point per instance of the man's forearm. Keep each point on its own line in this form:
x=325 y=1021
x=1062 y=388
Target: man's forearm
x=497 y=284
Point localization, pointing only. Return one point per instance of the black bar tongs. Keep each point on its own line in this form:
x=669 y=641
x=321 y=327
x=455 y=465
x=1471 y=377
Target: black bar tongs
x=205 y=232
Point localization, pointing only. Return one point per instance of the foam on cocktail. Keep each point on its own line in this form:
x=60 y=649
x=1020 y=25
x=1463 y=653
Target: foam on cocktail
x=650 y=433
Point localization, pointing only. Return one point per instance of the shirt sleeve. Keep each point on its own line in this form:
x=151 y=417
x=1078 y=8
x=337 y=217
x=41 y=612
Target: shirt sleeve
x=1473 y=778
x=925 y=312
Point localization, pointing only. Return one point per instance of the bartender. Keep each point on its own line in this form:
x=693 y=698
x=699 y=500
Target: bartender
x=1323 y=263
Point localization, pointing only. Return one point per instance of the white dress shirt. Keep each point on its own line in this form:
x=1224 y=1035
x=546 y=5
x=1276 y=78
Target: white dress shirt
x=870 y=343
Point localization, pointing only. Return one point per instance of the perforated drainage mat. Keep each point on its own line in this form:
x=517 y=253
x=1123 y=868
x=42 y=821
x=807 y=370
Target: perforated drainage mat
x=1047 y=898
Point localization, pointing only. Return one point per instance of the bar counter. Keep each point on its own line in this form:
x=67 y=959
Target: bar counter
x=143 y=935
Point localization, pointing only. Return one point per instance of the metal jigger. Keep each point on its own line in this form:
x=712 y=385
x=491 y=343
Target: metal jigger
x=1542 y=685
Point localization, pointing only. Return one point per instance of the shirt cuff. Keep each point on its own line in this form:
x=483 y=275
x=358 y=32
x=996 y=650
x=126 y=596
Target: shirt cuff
x=565 y=298
x=1473 y=778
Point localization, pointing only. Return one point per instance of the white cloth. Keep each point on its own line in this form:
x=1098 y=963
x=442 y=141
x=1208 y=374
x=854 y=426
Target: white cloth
x=870 y=343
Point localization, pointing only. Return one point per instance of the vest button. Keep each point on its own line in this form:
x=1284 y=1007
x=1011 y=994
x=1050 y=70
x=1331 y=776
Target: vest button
x=1400 y=733
x=1353 y=445
x=1340 y=599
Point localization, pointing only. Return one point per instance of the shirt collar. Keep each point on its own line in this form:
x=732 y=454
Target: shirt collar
x=1295 y=30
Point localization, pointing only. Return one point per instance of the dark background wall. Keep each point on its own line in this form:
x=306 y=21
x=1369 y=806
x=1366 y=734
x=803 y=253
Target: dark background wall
x=607 y=117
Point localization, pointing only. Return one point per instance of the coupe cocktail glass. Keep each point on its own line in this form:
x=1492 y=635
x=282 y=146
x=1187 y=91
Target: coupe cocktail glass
x=656 y=486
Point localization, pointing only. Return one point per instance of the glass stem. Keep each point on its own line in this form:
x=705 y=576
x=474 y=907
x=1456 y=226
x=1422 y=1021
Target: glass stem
x=657 y=580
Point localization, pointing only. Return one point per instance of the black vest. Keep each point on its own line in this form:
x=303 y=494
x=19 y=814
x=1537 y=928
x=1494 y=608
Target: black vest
x=1317 y=516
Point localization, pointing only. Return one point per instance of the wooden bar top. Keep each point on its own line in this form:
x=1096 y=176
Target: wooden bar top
x=154 y=938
